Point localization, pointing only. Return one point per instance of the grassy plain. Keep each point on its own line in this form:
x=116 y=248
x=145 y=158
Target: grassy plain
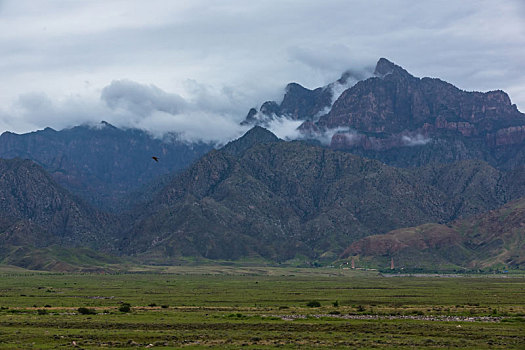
x=231 y=307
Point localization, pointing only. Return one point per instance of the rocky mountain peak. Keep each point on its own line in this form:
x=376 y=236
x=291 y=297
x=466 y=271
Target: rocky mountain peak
x=499 y=96
x=250 y=117
x=270 y=108
x=294 y=87
x=384 y=67
x=255 y=135
x=260 y=134
x=106 y=124
x=299 y=103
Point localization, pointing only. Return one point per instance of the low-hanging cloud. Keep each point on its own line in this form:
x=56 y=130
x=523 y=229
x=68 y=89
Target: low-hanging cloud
x=285 y=128
x=129 y=104
x=348 y=79
x=34 y=111
x=416 y=140
x=325 y=137
x=148 y=107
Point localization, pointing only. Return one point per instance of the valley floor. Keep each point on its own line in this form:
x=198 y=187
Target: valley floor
x=229 y=308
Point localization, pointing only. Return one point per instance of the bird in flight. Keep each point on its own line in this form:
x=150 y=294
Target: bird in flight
x=155 y=158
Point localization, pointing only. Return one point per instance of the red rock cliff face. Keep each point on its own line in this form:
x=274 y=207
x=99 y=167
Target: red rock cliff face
x=386 y=108
x=507 y=136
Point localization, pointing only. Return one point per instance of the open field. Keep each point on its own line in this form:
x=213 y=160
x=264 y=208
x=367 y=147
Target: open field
x=226 y=307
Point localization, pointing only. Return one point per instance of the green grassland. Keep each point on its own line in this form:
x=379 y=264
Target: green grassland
x=232 y=307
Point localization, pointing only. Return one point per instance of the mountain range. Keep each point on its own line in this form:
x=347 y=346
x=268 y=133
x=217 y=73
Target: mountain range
x=406 y=121
x=416 y=170
x=101 y=163
x=277 y=199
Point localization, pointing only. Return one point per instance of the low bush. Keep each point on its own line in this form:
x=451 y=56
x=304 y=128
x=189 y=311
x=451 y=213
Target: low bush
x=313 y=303
x=86 y=311
x=125 y=307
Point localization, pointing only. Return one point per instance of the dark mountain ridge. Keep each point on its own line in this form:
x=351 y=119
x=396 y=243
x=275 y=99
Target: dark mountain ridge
x=280 y=199
x=258 y=197
x=101 y=164
x=35 y=209
x=43 y=226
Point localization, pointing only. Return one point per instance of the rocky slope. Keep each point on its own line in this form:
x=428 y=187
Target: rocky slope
x=494 y=240
x=280 y=199
x=101 y=164
x=43 y=226
x=35 y=210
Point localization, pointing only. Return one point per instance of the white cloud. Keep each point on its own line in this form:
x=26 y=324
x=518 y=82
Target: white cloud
x=338 y=87
x=34 y=111
x=416 y=140
x=141 y=99
x=126 y=104
x=326 y=136
x=285 y=128
x=148 y=107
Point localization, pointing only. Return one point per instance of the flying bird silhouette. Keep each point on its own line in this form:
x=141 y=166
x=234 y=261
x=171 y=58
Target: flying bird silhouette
x=155 y=158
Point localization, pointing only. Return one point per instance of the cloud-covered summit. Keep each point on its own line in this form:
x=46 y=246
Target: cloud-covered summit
x=203 y=116
x=131 y=104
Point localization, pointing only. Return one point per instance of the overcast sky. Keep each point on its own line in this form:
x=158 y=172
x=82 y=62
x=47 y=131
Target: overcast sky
x=196 y=67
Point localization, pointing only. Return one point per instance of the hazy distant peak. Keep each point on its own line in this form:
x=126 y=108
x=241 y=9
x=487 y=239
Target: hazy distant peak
x=105 y=125
x=293 y=87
